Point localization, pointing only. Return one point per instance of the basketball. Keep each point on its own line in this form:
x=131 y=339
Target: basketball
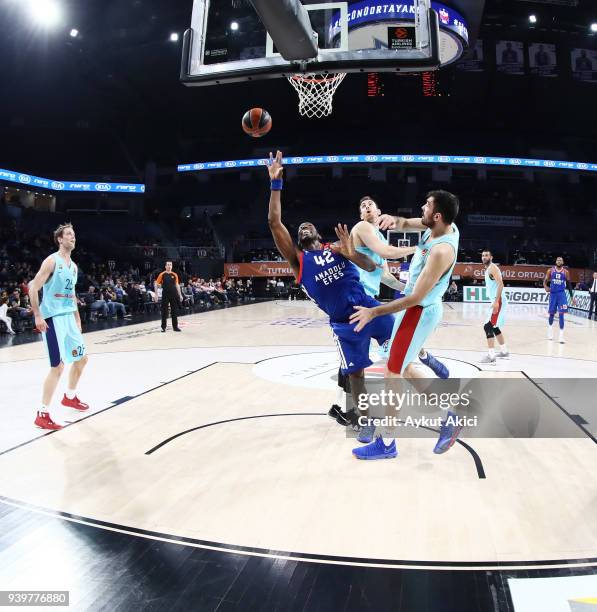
x=257 y=122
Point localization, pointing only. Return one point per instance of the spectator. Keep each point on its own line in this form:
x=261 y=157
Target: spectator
x=453 y=292
x=96 y=302
x=280 y=288
x=4 y=315
x=220 y=292
x=114 y=307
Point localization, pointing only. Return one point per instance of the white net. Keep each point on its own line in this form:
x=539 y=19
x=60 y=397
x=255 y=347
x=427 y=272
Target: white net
x=316 y=93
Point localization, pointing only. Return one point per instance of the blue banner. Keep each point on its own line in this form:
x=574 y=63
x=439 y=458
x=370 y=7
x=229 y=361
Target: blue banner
x=394 y=159
x=52 y=185
x=371 y=11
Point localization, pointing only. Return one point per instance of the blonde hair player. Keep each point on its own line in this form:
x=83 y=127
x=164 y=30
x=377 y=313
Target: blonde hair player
x=60 y=324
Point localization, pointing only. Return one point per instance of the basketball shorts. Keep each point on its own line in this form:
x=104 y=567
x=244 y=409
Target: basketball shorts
x=353 y=347
x=412 y=328
x=558 y=301
x=63 y=340
x=499 y=318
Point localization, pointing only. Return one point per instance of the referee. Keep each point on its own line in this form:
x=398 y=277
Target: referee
x=171 y=295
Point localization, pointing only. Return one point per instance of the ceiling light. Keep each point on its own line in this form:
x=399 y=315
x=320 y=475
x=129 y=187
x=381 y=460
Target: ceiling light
x=594 y=27
x=174 y=37
x=45 y=12
x=533 y=18
x=234 y=26
x=74 y=33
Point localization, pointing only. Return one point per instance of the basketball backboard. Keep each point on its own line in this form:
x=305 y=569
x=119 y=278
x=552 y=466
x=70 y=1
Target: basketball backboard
x=227 y=42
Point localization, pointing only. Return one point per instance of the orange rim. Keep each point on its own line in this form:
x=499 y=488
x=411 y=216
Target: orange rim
x=298 y=77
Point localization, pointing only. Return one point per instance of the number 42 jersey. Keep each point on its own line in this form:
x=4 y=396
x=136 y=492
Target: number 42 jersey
x=333 y=283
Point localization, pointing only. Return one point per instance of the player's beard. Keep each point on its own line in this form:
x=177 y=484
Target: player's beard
x=430 y=223
x=306 y=244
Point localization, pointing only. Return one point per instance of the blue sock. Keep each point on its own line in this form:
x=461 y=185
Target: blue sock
x=561 y=320
x=551 y=316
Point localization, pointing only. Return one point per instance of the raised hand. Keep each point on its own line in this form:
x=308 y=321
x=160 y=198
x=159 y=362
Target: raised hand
x=274 y=166
x=345 y=246
x=386 y=222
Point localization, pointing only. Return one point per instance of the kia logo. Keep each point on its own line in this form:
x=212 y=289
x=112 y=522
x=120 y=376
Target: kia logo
x=515 y=162
x=24 y=178
x=408 y=158
x=230 y=164
x=103 y=187
x=297 y=160
x=332 y=158
x=371 y=158
x=199 y=166
x=549 y=163
x=479 y=160
x=57 y=185
x=444 y=159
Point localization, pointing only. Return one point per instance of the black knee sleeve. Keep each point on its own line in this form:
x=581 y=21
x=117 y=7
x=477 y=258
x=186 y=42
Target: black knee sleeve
x=497 y=331
x=488 y=327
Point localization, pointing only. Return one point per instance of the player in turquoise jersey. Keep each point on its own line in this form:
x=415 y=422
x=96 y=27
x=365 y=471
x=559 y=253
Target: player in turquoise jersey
x=371 y=242
x=497 y=314
x=420 y=311
x=58 y=320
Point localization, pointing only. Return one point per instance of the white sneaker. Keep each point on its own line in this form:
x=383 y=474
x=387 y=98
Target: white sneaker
x=504 y=355
x=488 y=360
x=562 y=341
x=549 y=333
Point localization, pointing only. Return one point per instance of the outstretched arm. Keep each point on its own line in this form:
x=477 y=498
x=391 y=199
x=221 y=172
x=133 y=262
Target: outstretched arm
x=389 y=280
x=345 y=247
x=363 y=232
x=400 y=223
x=280 y=233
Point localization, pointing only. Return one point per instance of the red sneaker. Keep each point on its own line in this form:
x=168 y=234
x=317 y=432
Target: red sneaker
x=75 y=403
x=44 y=421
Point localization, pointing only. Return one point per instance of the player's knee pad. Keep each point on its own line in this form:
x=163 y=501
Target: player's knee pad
x=497 y=331
x=488 y=327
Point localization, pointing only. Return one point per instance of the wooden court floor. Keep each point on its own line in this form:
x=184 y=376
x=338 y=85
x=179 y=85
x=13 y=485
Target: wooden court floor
x=217 y=440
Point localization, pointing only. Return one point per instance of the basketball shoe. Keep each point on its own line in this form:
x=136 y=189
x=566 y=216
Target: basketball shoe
x=436 y=366
x=75 y=403
x=376 y=450
x=448 y=434
x=44 y=421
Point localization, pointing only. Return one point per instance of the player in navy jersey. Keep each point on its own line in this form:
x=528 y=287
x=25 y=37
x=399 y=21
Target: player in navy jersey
x=555 y=282
x=328 y=276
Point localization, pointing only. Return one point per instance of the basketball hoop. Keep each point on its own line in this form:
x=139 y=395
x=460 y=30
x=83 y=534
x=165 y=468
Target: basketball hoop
x=316 y=92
